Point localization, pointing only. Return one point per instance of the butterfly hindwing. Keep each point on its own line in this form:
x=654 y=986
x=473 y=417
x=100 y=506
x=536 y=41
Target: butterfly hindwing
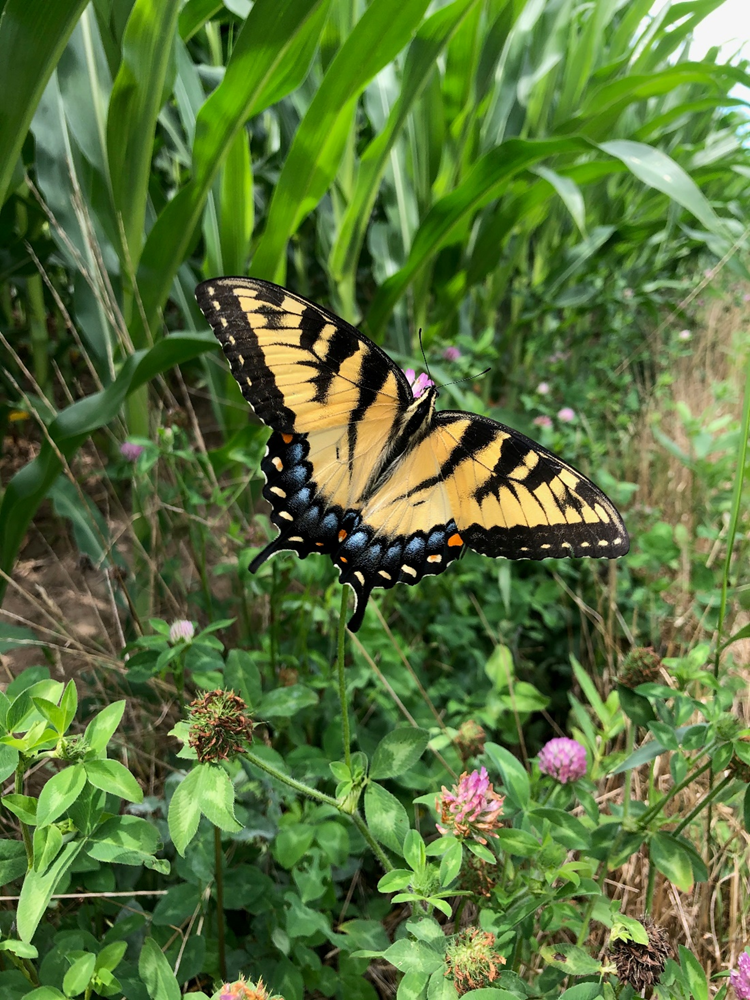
x=358 y=469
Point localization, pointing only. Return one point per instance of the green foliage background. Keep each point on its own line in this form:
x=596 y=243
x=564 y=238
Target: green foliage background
x=546 y=184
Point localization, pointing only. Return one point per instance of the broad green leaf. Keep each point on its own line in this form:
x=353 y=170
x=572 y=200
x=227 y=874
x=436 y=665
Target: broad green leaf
x=637 y=708
x=22 y=806
x=20 y=948
x=571 y=959
x=12 y=860
x=414 y=851
x=292 y=843
x=517 y=842
x=212 y=793
x=386 y=817
x=236 y=215
x=270 y=58
x=321 y=136
x=241 y=675
x=137 y=96
x=397 y=752
x=515 y=778
x=412 y=986
x=645 y=753
x=441 y=988
x=413 y=956
x=78 y=976
x=103 y=726
x=285 y=702
x=671 y=860
x=33 y=34
x=184 y=812
x=47 y=844
x=69 y=704
x=8 y=761
x=113 y=777
x=38 y=888
x=156 y=973
x=127 y=840
x=694 y=973
x=194 y=15
x=111 y=955
x=660 y=171
x=583 y=991
x=450 y=865
x=59 y=793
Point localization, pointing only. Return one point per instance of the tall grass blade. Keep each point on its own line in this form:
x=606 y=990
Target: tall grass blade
x=271 y=57
x=137 y=96
x=33 y=34
x=320 y=140
x=428 y=44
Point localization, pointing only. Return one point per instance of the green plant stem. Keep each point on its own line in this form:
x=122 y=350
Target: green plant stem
x=25 y=832
x=655 y=809
x=340 y=665
x=38 y=331
x=705 y=801
x=298 y=786
x=219 y=867
x=316 y=796
x=374 y=846
x=628 y=774
x=734 y=515
x=650 y=887
x=25 y=967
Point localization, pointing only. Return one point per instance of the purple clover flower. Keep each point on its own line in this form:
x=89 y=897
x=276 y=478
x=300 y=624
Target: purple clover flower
x=131 y=452
x=684 y=335
x=419 y=383
x=543 y=388
x=563 y=759
x=471 y=809
x=542 y=421
x=740 y=977
x=566 y=414
x=451 y=353
x=181 y=630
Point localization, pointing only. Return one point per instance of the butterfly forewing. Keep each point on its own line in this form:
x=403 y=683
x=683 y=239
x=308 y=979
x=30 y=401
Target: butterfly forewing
x=299 y=367
x=518 y=500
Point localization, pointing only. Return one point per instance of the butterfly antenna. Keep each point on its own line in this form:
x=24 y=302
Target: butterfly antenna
x=424 y=356
x=466 y=378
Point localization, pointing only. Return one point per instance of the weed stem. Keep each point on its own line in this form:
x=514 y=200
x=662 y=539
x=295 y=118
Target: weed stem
x=345 y=731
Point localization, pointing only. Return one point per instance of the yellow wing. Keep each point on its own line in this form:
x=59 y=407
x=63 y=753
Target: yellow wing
x=305 y=371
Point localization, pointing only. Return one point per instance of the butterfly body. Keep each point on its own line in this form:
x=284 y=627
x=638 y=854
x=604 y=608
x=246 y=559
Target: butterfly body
x=383 y=483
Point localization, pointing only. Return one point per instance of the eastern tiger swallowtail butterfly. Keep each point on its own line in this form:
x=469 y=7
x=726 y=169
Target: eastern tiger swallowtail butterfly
x=361 y=470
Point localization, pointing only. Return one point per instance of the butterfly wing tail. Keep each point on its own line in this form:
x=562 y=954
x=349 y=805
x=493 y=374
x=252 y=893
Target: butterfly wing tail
x=270 y=550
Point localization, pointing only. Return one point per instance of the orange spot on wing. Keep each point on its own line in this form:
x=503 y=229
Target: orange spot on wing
x=286 y=438
x=455 y=540
x=344 y=559
x=342 y=535
x=319 y=544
